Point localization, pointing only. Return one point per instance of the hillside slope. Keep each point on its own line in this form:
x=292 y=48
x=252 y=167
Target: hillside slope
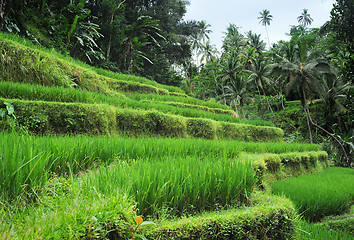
x=85 y=152
x=87 y=100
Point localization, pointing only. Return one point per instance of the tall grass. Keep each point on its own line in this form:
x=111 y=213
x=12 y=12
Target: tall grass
x=132 y=78
x=61 y=94
x=27 y=161
x=321 y=194
x=171 y=98
x=311 y=231
x=178 y=185
x=54 y=54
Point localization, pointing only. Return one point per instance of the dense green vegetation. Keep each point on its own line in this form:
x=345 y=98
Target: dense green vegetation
x=316 y=231
x=92 y=138
x=154 y=41
x=319 y=195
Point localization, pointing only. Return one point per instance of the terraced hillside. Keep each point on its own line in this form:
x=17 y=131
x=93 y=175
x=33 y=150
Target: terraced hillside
x=85 y=151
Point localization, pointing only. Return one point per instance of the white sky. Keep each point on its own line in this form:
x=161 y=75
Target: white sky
x=245 y=13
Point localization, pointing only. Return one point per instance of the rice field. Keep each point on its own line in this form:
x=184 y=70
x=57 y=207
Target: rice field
x=312 y=231
x=69 y=60
x=27 y=162
x=23 y=91
x=176 y=186
x=321 y=194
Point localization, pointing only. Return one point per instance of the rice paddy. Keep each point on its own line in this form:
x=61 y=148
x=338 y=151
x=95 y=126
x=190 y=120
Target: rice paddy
x=318 y=195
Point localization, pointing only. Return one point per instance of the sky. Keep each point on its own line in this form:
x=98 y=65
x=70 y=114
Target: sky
x=245 y=13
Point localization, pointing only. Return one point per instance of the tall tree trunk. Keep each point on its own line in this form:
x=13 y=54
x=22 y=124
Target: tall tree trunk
x=110 y=32
x=243 y=112
x=330 y=134
x=260 y=100
x=308 y=124
x=236 y=109
x=304 y=104
x=267 y=36
x=281 y=93
x=5 y=9
x=109 y=41
x=270 y=107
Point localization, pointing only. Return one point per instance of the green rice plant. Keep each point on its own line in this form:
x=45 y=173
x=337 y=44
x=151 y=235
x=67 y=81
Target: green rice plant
x=72 y=214
x=60 y=94
x=125 y=77
x=312 y=231
x=321 y=194
x=275 y=147
x=179 y=185
x=55 y=56
x=26 y=162
x=172 y=98
x=269 y=217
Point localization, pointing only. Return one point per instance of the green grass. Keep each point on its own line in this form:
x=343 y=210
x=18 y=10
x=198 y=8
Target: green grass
x=312 y=231
x=55 y=56
x=65 y=211
x=131 y=78
x=27 y=162
x=60 y=94
x=321 y=194
x=171 y=98
x=178 y=185
x=269 y=217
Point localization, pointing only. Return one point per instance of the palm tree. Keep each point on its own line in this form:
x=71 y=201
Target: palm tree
x=233 y=39
x=229 y=67
x=265 y=19
x=208 y=52
x=254 y=40
x=204 y=31
x=331 y=89
x=303 y=71
x=237 y=92
x=247 y=56
x=305 y=18
x=283 y=50
x=260 y=71
x=201 y=37
x=140 y=33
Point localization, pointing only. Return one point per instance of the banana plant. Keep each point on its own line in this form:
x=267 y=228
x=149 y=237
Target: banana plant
x=142 y=32
x=82 y=32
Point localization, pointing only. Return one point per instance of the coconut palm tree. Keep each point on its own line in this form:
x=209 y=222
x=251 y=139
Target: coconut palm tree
x=303 y=70
x=233 y=39
x=238 y=93
x=208 y=52
x=254 y=40
x=305 y=18
x=331 y=89
x=265 y=18
x=229 y=68
x=204 y=31
x=200 y=38
x=259 y=75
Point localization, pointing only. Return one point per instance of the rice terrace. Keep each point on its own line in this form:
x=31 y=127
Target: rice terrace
x=121 y=120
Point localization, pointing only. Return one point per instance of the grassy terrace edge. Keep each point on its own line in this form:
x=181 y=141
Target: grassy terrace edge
x=270 y=218
x=51 y=68
x=37 y=92
x=118 y=219
x=52 y=117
